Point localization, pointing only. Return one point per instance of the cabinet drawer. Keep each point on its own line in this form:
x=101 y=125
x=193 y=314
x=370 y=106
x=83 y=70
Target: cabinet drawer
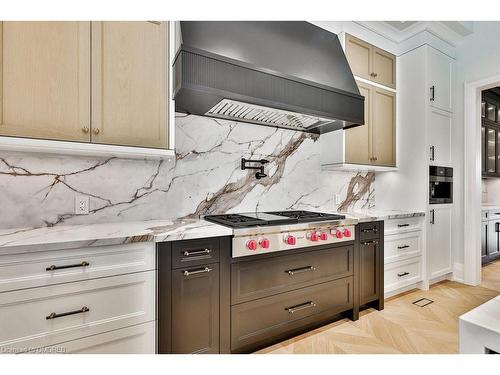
x=369 y=231
x=48 y=315
x=138 y=339
x=265 y=277
x=195 y=252
x=401 y=274
x=27 y=270
x=402 y=246
x=395 y=226
x=252 y=323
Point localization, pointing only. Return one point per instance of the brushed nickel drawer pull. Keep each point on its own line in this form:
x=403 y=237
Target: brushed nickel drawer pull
x=403 y=247
x=195 y=272
x=53 y=315
x=300 y=270
x=54 y=267
x=403 y=274
x=403 y=225
x=300 y=307
x=366 y=243
x=198 y=252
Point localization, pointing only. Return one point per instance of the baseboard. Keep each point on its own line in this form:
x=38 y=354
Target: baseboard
x=446 y=276
x=404 y=289
x=458 y=272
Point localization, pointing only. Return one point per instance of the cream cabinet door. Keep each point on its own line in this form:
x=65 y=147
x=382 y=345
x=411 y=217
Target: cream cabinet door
x=440 y=80
x=384 y=127
x=358 y=139
x=439 y=241
x=130 y=83
x=384 y=67
x=45 y=80
x=359 y=55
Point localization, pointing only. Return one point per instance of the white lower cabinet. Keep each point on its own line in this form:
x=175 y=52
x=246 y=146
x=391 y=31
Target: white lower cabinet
x=403 y=249
x=439 y=241
x=138 y=339
x=107 y=306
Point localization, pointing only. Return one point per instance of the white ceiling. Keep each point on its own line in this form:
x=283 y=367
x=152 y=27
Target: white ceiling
x=401 y=25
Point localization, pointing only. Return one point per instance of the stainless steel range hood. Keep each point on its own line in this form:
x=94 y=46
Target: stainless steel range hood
x=284 y=74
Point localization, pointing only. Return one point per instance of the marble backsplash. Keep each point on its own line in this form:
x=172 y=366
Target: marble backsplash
x=205 y=178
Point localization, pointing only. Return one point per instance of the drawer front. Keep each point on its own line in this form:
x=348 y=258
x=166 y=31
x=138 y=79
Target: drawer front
x=401 y=274
x=402 y=246
x=48 y=315
x=27 y=270
x=138 y=339
x=369 y=231
x=395 y=226
x=494 y=214
x=260 y=320
x=265 y=277
x=195 y=252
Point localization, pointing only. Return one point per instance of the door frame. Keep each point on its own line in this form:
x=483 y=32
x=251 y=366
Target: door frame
x=472 y=176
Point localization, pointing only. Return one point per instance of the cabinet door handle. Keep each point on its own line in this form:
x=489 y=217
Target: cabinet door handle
x=54 y=267
x=403 y=247
x=85 y=129
x=432 y=217
x=197 y=271
x=403 y=225
x=96 y=131
x=54 y=315
x=367 y=243
x=300 y=270
x=403 y=274
x=433 y=153
x=433 y=93
x=302 y=306
x=496 y=227
x=197 y=252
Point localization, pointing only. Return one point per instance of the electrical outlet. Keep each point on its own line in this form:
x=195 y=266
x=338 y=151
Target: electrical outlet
x=82 y=203
x=337 y=199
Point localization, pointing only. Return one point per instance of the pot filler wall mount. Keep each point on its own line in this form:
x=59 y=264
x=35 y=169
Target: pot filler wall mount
x=290 y=75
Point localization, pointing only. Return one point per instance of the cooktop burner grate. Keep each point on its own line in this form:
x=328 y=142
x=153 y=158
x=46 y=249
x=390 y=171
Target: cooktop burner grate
x=303 y=216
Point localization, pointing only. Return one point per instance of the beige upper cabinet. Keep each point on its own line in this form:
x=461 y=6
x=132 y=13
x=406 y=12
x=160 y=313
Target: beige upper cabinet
x=99 y=82
x=130 y=83
x=375 y=142
x=383 y=122
x=370 y=62
x=358 y=139
x=45 y=80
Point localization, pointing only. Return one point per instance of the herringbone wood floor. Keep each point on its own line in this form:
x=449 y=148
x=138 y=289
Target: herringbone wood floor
x=401 y=327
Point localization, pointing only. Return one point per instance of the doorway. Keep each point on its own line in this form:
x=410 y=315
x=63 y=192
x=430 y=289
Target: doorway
x=472 y=177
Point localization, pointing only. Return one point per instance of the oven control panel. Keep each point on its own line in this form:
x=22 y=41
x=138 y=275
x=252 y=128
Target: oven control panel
x=281 y=241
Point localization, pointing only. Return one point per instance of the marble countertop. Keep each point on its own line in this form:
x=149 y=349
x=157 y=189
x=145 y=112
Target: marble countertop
x=486 y=315
x=375 y=215
x=490 y=206
x=111 y=233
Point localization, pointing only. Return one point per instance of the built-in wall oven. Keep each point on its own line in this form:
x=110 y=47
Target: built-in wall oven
x=440 y=185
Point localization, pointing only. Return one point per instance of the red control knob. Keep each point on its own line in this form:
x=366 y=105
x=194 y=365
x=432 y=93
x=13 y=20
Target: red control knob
x=347 y=233
x=314 y=236
x=252 y=245
x=323 y=236
x=339 y=234
x=264 y=243
x=291 y=240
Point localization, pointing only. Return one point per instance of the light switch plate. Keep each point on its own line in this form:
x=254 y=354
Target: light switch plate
x=82 y=203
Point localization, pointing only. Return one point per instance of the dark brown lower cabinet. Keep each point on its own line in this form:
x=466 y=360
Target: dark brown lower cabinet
x=371 y=271
x=195 y=309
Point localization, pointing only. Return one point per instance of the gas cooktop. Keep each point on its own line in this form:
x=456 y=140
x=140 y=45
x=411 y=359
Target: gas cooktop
x=251 y=219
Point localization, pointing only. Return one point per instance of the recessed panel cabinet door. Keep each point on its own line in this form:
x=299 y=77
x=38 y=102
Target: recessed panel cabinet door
x=384 y=67
x=195 y=310
x=45 y=80
x=439 y=245
x=130 y=83
x=384 y=127
x=359 y=55
x=358 y=140
x=440 y=79
x=440 y=138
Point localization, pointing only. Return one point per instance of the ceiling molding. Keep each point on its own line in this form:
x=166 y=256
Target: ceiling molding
x=450 y=32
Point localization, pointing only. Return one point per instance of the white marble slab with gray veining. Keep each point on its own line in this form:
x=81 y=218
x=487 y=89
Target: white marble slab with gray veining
x=71 y=236
x=376 y=215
